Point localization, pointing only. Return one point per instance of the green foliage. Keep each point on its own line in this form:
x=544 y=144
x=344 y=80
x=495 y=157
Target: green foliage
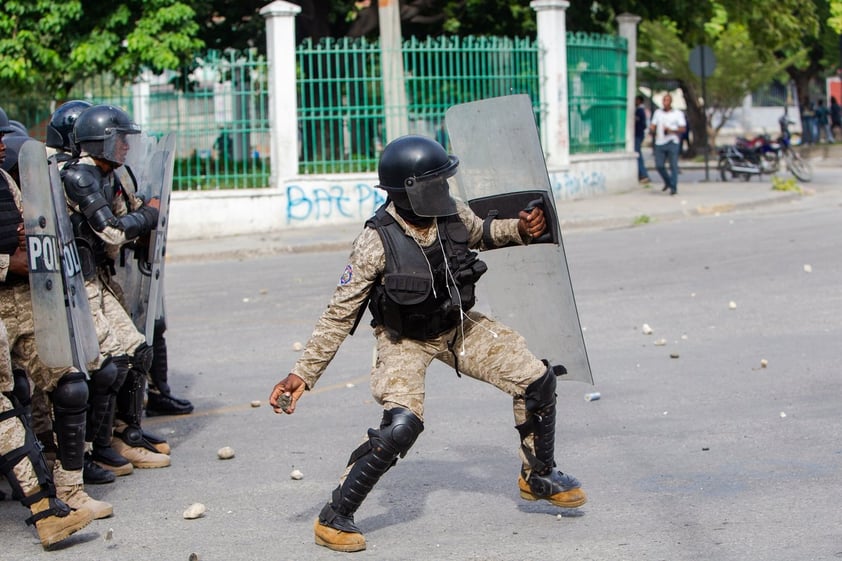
x=641 y=220
x=788 y=184
x=49 y=45
x=484 y=17
x=751 y=50
x=834 y=22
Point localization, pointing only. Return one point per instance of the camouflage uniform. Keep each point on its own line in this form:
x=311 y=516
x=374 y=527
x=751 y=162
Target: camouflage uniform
x=12 y=431
x=397 y=379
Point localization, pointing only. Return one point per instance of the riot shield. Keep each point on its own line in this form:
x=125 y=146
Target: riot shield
x=501 y=171
x=64 y=327
x=148 y=173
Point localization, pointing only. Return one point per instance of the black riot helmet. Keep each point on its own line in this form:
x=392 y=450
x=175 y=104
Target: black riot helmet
x=20 y=128
x=414 y=170
x=5 y=126
x=101 y=130
x=61 y=124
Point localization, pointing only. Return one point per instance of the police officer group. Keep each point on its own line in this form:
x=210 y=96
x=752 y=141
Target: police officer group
x=65 y=427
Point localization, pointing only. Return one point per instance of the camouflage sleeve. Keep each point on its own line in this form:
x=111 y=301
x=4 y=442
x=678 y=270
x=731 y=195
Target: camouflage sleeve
x=503 y=231
x=4 y=266
x=365 y=264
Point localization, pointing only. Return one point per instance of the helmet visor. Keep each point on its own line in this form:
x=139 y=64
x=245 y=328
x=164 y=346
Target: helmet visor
x=116 y=144
x=430 y=196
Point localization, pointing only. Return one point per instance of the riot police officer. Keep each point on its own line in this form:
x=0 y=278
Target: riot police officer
x=21 y=460
x=66 y=387
x=105 y=217
x=414 y=266
x=107 y=379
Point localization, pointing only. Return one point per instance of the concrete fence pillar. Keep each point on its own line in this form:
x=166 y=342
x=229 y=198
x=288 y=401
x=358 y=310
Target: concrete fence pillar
x=393 y=77
x=552 y=64
x=628 y=30
x=283 y=104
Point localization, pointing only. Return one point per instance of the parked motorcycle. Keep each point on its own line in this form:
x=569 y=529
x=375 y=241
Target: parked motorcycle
x=761 y=155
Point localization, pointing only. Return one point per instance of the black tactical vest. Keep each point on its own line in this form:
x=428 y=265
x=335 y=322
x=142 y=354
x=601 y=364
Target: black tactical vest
x=406 y=300
x=9 y=218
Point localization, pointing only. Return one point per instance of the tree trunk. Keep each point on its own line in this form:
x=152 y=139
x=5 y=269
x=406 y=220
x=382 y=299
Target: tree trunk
x=696 y=120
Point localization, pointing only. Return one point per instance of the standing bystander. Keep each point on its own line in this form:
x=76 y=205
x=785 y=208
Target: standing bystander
x=640 y=122
x=668 y=124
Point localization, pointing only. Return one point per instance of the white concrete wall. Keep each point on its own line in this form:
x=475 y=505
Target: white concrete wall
x=313 y=201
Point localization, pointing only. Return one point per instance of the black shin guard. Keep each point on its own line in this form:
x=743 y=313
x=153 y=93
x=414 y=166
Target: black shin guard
x=130 y=408
x=398 y=431
x=158 y=368
x=102 y=388
x=541 y=406
x=70 y=404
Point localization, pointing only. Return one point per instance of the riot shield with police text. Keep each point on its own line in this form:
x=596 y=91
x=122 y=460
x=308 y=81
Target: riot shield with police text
x=64 y=328
x=148 y=173
x=502 y=171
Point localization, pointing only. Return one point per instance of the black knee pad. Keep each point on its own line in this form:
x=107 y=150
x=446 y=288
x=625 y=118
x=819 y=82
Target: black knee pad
x=22 y=389
x=142 y=357
x=399 y=429
x=103 y=380
x=540 y=394
x=71 y=393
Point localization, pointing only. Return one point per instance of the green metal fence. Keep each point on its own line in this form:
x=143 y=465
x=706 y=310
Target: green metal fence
x=445 y=71
x=339 y=105
x=219 y=111
x=219 y=108
x=597 y=71
x=341 y=111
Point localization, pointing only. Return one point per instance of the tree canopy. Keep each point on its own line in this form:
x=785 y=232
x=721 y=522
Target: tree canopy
x=48 y=46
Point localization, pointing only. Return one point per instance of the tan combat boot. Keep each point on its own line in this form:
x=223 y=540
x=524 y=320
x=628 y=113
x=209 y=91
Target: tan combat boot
x=140 y=457
x=70 y=489
x=76 y=497
x=556 y=487
x=159 y=444
x=338 y=540
x=54 y=528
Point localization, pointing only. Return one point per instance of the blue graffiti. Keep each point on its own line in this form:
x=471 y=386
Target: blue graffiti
x=578 y=185
x=332 y=203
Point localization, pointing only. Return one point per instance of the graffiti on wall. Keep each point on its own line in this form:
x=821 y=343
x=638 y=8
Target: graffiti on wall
x=353 y=201
x=578 y=185
x=332 y=203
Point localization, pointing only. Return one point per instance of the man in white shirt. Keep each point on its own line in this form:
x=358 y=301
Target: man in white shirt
x=668 y=124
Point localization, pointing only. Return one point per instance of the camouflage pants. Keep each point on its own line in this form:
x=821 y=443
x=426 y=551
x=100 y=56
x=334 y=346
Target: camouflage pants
x=16 y=313
x=12 y=431
x=485 y=349
x=116 y=333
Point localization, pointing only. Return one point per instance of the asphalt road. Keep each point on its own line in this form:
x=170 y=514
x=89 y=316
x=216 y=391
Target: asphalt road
x=705 y=456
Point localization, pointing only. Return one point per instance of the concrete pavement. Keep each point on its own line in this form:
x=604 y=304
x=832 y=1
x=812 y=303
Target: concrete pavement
x=699 y=194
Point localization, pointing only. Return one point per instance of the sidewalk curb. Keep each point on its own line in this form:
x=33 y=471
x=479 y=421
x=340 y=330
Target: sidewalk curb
x=271 y=243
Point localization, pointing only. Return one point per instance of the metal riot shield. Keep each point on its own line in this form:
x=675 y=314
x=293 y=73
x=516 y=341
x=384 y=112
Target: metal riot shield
x=64 y=327
x=501 y=171
x=148 y=173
